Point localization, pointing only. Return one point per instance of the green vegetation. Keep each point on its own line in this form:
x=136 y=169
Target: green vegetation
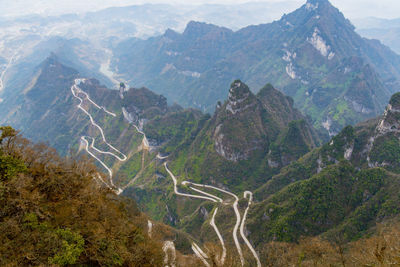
x=347 y=87
x=53 y=212
x=323 y=202
x=386 y=151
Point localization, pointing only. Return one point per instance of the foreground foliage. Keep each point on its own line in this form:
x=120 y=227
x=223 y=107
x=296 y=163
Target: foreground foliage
x=53 y=212
x=382 y=249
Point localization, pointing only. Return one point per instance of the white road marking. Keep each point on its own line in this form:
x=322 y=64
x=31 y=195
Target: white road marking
x=250 y=194
x=212 y=223
x=6 y=68
x=200 y=254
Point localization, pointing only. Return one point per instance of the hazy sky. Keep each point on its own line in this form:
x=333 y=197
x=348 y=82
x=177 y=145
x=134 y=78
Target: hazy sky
x=351 y=8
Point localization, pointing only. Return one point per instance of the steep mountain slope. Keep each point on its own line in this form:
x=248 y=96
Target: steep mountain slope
x=340 y=190
x=194 y=171
x=238 y=149
x=55 y=213
x=45 y=109
x=247 y=137
x=313 y=54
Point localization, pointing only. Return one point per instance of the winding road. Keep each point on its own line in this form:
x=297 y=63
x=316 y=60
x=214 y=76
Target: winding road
x=169 y=245
x=212 y=223
x=250 y=195
x=5 y=70
x=237 y=213
x=239 y=222
x=83 y=138
x=75 y=87
x=183 y=194
x=97 y=106
x=200 y=254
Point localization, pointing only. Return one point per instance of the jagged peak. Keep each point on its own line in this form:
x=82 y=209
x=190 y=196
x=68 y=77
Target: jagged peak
x=239 y=97
x=395 y=101
x=238 y=91
x=53 y=64
x=198 y=29
x=266 y=90
x=51 y=59
x=171 y=34
x=315 y=4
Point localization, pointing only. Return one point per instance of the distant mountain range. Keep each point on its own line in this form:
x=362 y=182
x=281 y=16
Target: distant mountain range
x=385 y=30
x=313 y=55
x=192 y=70
x=84 y=41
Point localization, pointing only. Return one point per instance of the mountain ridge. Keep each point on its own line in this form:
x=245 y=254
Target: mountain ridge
x=313 y=55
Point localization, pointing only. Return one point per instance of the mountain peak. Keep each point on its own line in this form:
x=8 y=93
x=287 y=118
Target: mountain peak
x=318 y=13
x=395 y=101
x=197 y=29
x=239 y=97
x=317 y=3
x=314 y=2
x=53 y=66
x=238 y=91
x=52 y=59
x=390 y=122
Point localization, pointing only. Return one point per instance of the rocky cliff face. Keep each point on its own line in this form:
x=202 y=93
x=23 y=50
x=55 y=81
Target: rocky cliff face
x=250 y=136
x=139 y=105
x=390 y=123
x=264 y=122
x=384 y=144
x=240 y=124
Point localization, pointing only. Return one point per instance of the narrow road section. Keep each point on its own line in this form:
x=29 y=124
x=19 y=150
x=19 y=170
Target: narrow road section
x=237 y=213
x=3 y=73
x=200 y=254
x=250 y=195
x=122 y=157
x=212 y=223
x=215 y=199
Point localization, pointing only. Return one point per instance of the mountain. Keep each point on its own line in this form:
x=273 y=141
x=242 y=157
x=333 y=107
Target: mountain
x=83 y=41
x=313 y=55
x=385 y=30
x=340 y=190
x=247 y=136
x=198 y=173
x=44 y=109
x=70 y=219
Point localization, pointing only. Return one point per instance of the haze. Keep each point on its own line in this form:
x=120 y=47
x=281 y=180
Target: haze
x=352 y=9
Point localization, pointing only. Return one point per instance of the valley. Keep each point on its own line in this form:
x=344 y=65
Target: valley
x=186 y=143
x=92 y=149
x=216 y=199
